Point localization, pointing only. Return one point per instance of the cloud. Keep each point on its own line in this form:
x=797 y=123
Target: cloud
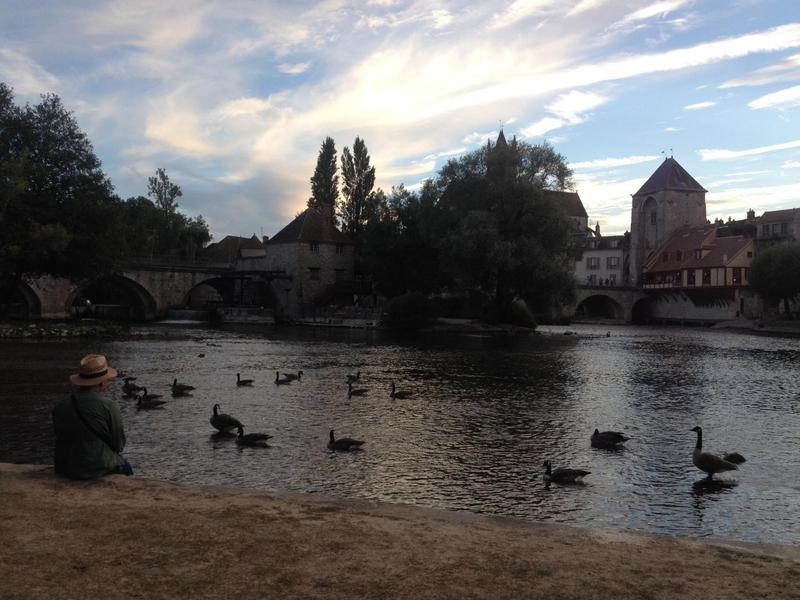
x=294 y=69
x=477 y=137
x=719 y=154
x=726 y=182
x=242 y=107
x=610 y=163
x=583 y=6
x=699 y=106
x=772 y=197
x=398 y=172
x=568 y=109
x=786 y=70
x=519 y=10
x=25 y=75
x=672 y=129
x=791 y=164
x=661 y=9
x=454 y=152
x=789 y=97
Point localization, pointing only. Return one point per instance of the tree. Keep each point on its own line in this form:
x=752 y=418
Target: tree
x=164 y=192
x=58 y=213
x=325 y=181
x=775 y=274
x=358 y=179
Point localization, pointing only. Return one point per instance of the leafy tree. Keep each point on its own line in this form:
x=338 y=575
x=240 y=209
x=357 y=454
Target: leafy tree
x=58 y=213
x=164 y=193
x=358 y=179
x=325 y=181
x=775 y=274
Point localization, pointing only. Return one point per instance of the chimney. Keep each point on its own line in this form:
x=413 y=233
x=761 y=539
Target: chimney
x=264 y=239
x=751 y=215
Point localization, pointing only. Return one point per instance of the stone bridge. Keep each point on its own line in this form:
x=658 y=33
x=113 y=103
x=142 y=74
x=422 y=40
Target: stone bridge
x=609 y=302
x=148 y=289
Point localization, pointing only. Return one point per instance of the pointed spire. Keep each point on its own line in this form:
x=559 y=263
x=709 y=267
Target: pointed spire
x=501 y=139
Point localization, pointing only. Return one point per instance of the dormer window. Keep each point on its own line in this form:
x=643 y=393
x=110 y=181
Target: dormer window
x=314 y=247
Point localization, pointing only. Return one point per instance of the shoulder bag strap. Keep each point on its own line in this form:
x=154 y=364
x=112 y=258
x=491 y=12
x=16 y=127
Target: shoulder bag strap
x=89 y=427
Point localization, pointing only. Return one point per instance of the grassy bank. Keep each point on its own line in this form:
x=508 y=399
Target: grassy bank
x=62 y=329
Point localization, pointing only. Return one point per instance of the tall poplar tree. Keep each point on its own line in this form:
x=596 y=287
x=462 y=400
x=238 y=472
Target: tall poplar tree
x=358 y=179
x=325 y=181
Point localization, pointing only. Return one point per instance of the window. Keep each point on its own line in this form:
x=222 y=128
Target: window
x=652 y=218
x=765 y=230
x=592 y=244
x=690 y=277
x=775 y=227
x=340 y=249
x=613 y=244
x=593 y=262
x=737 y=276
x=706 y=276
x=313 y=273
x=314 y=247
x=784 y=228
x=612 y=262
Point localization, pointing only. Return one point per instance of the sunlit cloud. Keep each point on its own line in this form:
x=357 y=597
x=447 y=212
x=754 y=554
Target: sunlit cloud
x=720 y=154
x=782 y=99
x=760 y=198
x=611 y=163
x=786 y=70
x=699 y=105
x=791 y=164
x=672 y=129
x=294 y=69
x=520 y=10
x=726 y=182
x=583 y=6
x=24 y=74
x=444 y=153
x=568 y=109
x=659 y=9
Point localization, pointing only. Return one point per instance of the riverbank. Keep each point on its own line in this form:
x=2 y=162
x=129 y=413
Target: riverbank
x=129 y=537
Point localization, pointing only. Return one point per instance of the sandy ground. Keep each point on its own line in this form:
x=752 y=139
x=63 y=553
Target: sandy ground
x=129 y=537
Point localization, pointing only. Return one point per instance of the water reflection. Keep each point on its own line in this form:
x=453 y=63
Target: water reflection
x=483 y=415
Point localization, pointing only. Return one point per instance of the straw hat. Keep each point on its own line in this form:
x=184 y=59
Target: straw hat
x=93 y=370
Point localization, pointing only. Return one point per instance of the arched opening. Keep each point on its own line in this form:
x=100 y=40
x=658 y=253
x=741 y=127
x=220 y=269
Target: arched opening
x=600 y=307
x=24 y=303
x=208 y=295
x=114 y=297
x=642 y=312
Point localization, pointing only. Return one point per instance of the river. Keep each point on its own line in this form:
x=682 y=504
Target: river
x=484 y=413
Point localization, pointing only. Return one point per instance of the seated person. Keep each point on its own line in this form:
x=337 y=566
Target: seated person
x=88 y=426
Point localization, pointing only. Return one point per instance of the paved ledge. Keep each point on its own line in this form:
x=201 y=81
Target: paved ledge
x=130 y=537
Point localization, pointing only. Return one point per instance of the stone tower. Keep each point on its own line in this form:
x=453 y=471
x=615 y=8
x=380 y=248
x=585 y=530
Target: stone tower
x=668 y=200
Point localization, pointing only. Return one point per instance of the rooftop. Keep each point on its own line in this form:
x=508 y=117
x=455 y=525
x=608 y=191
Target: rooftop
x=670 y=176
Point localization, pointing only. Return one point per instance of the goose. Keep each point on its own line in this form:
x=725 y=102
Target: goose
x=142 y=403
x=223 y=422
x=293 y=376
x=354 y=378
x=148 y=397
x=181 y=386
x=255 y=440
x=279 y=381
x=355 y=392
x=711 y=463
x=562 y=475
x=399 y=393
x=607 y=439
x=240 y=382
x=128 y=388
x=343 y=443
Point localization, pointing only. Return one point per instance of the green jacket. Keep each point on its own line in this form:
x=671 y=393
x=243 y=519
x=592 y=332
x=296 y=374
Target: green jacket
x=80 y=453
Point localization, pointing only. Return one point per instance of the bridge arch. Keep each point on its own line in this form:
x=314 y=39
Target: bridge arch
x=112 y=296
x=25 y=303
x=600 y=306
x=642 y=310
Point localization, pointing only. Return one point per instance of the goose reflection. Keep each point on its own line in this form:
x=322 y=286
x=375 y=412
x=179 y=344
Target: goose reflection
x=703 y=487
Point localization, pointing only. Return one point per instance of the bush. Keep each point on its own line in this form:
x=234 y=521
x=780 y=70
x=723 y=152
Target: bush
x=409 y=311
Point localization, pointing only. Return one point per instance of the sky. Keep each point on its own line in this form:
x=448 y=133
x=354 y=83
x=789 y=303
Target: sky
x=234 y=98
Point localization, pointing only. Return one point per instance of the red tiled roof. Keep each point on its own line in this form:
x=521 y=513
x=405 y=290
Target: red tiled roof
x=787 y=214
x=228 y=247
x=309 y=226
x=670 y=176
x=718 y=250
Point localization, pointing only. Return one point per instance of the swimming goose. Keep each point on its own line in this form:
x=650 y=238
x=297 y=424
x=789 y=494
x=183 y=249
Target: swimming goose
x=279 y=381
x=399 y=393
x=143 y=403
x=148 y=397
x=293 y=376
x=343 y=443
x=562 y=475
x=355 y=392
x=255 y=440
x=354 y=378
x=128 y=388
x=711 y=463
x=223 y=422
x=607 y=439
x=180 y=387
x=240 y=382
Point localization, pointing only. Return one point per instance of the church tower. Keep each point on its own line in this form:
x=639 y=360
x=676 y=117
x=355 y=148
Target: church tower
x=668 y=200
